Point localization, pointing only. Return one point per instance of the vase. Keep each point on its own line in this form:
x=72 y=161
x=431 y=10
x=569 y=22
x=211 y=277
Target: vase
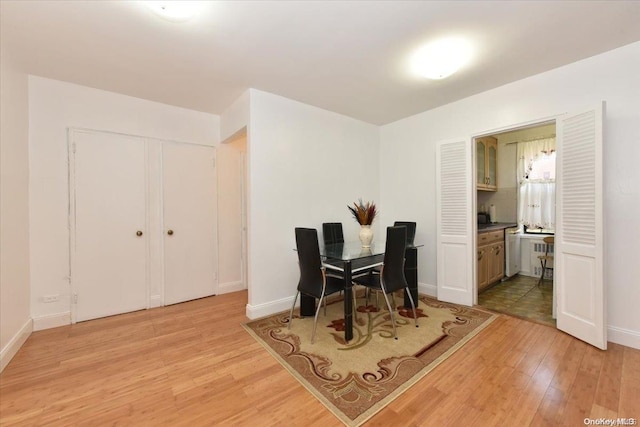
x=366 y=236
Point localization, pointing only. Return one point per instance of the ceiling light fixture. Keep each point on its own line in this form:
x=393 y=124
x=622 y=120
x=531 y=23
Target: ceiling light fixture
x=440 y=59
x=175 y=10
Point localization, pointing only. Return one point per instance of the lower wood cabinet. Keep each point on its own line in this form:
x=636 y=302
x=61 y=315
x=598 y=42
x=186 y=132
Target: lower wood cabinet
x=490 y=258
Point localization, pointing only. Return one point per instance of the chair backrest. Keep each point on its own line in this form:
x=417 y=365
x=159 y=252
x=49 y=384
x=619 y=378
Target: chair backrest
x=309 y=261
x=411 y=230
x=332 y=233
x=393 y=271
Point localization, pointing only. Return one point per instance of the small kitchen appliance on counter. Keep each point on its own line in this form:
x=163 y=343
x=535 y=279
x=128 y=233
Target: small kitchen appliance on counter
x=483 y=218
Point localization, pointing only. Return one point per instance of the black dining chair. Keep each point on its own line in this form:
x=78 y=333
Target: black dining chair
x=332 y=233
x=411 y=235
x=313 y=279
x=391 y=277
x=411 y=230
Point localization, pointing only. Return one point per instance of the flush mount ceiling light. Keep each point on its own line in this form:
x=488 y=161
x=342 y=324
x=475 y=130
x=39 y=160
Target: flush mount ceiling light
x=175 y=10
x=440 y=59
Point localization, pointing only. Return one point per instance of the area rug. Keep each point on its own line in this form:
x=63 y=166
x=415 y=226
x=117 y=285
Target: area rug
x=357 y=379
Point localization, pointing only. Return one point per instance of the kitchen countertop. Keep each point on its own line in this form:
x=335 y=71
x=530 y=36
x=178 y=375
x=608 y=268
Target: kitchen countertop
x=484 y=228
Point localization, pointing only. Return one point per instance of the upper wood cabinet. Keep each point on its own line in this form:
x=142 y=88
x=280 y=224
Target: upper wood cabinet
x=487 y=157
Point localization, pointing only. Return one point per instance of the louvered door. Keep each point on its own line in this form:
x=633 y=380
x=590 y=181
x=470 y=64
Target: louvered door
x=455 y=252
x=579 y=278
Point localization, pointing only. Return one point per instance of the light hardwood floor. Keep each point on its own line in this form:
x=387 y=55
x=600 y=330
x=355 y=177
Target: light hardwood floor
x=193 y=364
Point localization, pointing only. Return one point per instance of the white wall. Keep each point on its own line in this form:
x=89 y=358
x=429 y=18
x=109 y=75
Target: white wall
x=235 y=118
x=53 y=107
x=306 y=166
x=408 y=153
x=15 y=319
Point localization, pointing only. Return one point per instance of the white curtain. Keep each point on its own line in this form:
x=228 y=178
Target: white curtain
x=537 y=183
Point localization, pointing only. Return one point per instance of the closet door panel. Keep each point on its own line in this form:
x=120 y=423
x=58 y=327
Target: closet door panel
x=455 y=249
x=109 y=246
x=579 y=240
x=189 y=199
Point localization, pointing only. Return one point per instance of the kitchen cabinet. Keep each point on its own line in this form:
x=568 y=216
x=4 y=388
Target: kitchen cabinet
x=487 y=158
x=490 y=255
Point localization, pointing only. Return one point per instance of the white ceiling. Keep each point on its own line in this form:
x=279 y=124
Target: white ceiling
x=345 y=56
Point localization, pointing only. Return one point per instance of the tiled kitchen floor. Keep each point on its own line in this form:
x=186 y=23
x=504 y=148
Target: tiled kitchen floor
x=522 y=297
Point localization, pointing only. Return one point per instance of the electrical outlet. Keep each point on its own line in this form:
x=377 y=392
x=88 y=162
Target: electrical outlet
x=50 y=298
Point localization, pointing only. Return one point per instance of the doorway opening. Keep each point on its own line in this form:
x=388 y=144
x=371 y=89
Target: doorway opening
x=232 y=205
x=515 y=202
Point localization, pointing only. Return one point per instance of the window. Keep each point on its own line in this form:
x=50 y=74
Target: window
x=543 y=168
x=537 y=185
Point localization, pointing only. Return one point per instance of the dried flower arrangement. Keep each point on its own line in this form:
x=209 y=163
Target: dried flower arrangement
x=364 y=213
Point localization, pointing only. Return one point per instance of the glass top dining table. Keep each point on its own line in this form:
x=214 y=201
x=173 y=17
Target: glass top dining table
x=351 y=250
x=350 y=259
x=361 y=258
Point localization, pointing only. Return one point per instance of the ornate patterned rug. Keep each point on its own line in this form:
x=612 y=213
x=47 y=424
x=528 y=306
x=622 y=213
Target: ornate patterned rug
x=358 y=379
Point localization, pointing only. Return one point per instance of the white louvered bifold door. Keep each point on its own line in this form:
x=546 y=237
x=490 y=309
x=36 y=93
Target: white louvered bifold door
x=579 y=233
x=454 y=228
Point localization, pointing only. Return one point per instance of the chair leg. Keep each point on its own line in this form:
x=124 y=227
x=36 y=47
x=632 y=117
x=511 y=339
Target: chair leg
x=315 y=320
x=543 y=265
x=393 y=319
x=413 y=307
x=292 y=307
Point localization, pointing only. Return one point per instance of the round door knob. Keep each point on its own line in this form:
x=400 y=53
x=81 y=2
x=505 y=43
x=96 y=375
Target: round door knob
x=138 y=233
x=170 y=232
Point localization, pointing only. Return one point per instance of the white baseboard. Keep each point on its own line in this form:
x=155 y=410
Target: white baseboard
x=427 y=289
x=51 y=321
x=12 y=347
x=624 y=337
x=225 y=288
x=266 y=309
x=155 y=301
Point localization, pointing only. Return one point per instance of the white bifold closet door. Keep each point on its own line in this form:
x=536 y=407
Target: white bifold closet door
x=189 y=203
x=455 y=251
x=579 y=239
x=579 y=243
x=109 y=238
x=143 y=223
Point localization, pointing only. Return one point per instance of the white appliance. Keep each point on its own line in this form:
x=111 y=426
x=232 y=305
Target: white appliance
x=512 y=248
